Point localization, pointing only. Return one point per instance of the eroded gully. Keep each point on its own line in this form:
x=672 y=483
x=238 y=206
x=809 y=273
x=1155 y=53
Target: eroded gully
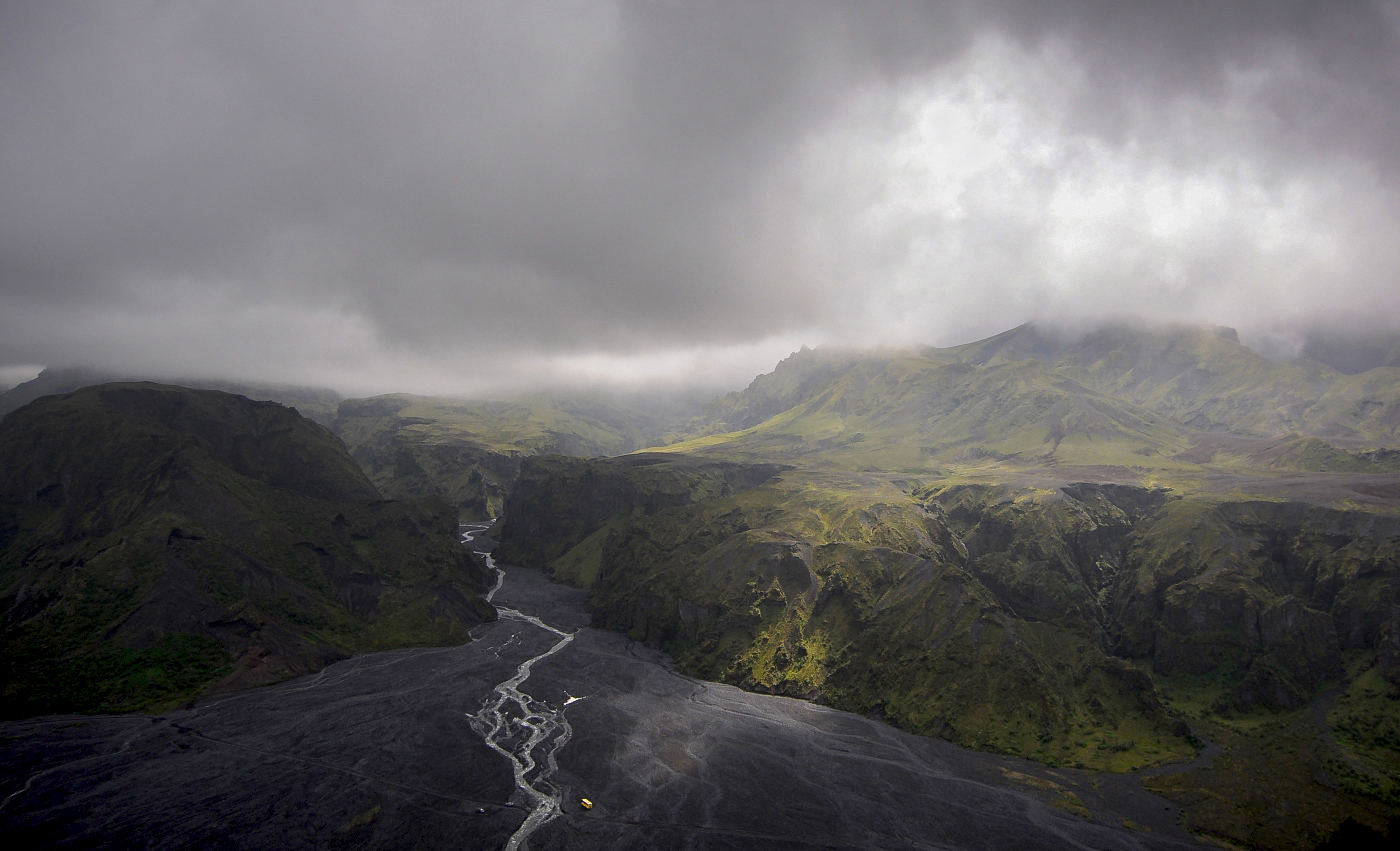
x=526 y=731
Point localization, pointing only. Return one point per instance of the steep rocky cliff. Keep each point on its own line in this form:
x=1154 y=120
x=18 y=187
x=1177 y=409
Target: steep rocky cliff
x=940 y=611
x=796 y=584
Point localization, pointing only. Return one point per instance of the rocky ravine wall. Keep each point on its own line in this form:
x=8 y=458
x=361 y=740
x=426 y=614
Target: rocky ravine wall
x=1019 y=622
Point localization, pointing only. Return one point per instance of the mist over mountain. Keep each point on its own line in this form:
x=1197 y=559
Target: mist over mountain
x=485 y=199
x=469 y=452
x=1019 y=375
x=1351 y=353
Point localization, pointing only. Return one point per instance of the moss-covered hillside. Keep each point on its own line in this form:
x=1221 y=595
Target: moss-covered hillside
x=1156 y=405
x=850 y=589
x=1089 y=624
x=157 y=542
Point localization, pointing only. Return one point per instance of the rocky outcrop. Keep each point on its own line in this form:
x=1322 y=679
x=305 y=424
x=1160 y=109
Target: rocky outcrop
x=1271 y=591
x=1288 y=651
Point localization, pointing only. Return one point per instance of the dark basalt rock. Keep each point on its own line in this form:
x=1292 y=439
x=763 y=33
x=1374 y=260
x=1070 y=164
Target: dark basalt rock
x=561 y=500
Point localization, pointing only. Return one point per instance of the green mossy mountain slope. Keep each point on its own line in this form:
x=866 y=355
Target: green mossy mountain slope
x=916 y=412
x=849 y=589
x=1088 y=624
x=157 y=541
x=1205 y=379
x=1074 y=547
x=1132 y=398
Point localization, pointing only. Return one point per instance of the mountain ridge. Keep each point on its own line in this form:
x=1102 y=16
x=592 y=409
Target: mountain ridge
x=158 y=541
x=314 y=403
x=1122 y=395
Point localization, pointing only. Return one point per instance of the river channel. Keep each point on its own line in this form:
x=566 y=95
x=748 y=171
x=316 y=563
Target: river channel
x=497 y=743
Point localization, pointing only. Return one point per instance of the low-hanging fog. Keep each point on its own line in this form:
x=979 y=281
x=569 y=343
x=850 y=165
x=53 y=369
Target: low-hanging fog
x=478 y=197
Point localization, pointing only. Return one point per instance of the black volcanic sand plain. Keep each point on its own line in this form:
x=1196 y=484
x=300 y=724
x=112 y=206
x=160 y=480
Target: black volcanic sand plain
x=376 y=751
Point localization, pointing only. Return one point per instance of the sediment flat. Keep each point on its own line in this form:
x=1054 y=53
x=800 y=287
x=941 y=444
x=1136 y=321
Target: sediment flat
x=378 y=752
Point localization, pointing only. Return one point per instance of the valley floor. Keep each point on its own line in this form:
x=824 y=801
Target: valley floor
x=378 y=751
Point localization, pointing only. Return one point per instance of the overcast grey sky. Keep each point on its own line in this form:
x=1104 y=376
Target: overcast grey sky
x=468 y=197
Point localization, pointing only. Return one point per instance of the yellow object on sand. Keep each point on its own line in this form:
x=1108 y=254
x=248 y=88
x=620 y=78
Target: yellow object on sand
x=587 y=804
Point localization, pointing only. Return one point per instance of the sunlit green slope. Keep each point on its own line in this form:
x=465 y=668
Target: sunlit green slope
x=1205 y=379
x=1152 y=404
x=916 y=411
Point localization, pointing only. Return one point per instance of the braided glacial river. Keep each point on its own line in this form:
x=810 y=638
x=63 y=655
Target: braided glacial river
x=524 y=730
x=492 y=745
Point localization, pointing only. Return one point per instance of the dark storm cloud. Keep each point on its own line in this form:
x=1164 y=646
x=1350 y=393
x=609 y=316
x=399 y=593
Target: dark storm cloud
x=1329 y=70
x=454 y=196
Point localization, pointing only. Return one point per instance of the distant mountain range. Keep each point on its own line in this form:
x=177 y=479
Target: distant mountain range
x=469 y=453
x=1118 y=395
x=1161 y=401
x=1101 y=548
